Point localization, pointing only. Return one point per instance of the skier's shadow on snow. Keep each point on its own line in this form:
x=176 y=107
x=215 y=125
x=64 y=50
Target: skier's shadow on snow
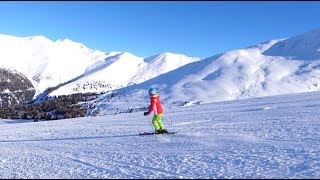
x=71 y=138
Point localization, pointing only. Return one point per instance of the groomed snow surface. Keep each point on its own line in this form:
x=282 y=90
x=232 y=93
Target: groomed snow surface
x=270 y=137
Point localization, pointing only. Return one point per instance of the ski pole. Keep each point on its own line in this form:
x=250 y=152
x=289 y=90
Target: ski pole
x=168 y=119
x=150 y=123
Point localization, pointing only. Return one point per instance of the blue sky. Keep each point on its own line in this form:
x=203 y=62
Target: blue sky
x=143 y=28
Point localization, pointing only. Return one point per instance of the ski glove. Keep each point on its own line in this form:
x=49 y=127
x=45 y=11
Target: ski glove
x=146 y=113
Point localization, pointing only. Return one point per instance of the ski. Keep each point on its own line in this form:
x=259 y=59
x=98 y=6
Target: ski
x=153 y=133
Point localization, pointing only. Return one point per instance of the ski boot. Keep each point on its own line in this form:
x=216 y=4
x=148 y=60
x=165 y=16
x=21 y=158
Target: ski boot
x=158 y=131
x=164 y=131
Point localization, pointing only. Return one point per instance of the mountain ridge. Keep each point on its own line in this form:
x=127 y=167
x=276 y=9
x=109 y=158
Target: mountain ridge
x=48 y=63
x=238 y=74
x=250 y=72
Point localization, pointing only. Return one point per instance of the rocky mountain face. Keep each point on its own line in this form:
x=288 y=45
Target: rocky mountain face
x=14 y=88
x=16 y=100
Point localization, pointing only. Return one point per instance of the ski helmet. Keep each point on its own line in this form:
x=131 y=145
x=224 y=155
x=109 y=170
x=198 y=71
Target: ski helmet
x=152 y=91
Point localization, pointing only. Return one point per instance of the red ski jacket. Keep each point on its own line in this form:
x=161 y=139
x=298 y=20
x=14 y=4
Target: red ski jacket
x=155 y=105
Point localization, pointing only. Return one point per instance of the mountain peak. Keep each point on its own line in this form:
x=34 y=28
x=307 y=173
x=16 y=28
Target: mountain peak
x=168 y=54
x=301 y=47
x=39 y=37
x=315 y=31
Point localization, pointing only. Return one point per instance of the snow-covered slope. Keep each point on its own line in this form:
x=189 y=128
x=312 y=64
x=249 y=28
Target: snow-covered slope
x=123 y=69
x=263 y=138
x=301 y=47
x=44 y=62
x=113 y=72
x=239 y=74
x=74 y=68
x=160 y=64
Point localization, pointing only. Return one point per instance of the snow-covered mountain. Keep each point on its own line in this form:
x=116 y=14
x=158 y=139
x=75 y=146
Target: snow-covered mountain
x=160 y=64
x=70 y=67
x=262 y=70
x=302 y=47
x=44 y=62
x=281 y=66
x=123 y=69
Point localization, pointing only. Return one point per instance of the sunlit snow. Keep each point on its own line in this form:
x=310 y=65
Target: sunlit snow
x=272 y=137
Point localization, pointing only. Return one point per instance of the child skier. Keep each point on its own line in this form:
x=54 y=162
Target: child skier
x=156 y=107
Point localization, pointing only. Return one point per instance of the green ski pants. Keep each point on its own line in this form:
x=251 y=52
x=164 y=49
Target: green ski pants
x=157 y=123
